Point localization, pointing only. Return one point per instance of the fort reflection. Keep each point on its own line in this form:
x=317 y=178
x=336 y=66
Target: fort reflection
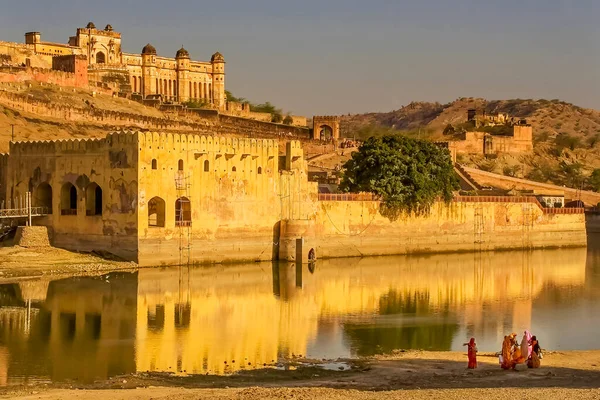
x=222 y=319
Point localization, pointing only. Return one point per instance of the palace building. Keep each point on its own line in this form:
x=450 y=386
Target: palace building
x=173 y=79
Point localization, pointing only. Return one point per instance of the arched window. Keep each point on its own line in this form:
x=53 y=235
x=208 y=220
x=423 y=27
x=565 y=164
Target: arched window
x=100 y=58
x=135 y=85
x=68 y=199
x=210 y=93
x=156 y=212
x=157 y=87
x=233 y=169
x=259 y=170
x=42 y=196
x=154 y=163
x=180 y=165
x=183 y=212
x=206 y=166
x=205 y=91
x=93 y=200
x=191 y=92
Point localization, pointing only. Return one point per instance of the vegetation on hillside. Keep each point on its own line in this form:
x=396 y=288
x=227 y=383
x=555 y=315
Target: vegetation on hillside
x=267 y=107
x=408 y=174
x=566 y=137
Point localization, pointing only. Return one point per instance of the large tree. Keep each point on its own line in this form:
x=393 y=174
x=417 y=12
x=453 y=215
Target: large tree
x=408 y=174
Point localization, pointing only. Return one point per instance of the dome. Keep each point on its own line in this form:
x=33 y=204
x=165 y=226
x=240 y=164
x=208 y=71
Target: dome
x=182 y=53
x=149 y=49
x=108 y=28
x=217 y=57
x=90 y=25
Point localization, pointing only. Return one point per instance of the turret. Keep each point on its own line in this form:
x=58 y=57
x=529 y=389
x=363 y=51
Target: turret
x=218 y=80
x=148 y=70
x=33 y=37
x=183 y=74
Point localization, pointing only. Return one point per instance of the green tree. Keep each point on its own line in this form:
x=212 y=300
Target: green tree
x=571 y=174
x=276 y=117
x=594 y=180
x=408 y=174
x=288 y=120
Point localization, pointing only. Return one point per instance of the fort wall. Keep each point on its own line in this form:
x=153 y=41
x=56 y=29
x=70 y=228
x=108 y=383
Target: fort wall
x=90 y=186
x=157 y=197
x=24 y=74
x=346 y=228
x=506 y=182
x=232 y=187
x=21 y=54
x=192 y=121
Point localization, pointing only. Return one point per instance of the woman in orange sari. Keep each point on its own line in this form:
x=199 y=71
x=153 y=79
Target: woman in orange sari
x=506 y=361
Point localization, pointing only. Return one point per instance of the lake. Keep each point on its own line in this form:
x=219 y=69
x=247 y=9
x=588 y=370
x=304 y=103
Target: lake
x=225 y=318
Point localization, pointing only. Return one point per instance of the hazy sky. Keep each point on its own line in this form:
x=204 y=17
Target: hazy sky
x=350 y=56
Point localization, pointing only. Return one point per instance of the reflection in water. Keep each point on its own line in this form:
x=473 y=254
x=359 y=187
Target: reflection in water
x=223 y=319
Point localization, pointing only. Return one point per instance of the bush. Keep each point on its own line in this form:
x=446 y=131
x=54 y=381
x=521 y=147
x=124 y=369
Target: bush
x=288 y=120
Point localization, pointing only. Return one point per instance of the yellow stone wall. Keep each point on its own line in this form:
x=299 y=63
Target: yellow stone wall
x=243 y=202
x=242 y=195
x=110 y=163
x=357 y=229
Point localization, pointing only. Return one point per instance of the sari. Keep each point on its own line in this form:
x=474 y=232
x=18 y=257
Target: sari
x=526 y=345
x=472 y=353
x=506 y=361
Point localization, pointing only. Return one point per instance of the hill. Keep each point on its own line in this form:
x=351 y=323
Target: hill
x=566 y=137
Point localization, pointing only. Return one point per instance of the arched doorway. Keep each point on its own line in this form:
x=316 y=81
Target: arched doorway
x=68 y=199
x=93 y=199
x=100 y=58
x=183 y=212
x=156 y=212
x=325 y=133
x=42 y=196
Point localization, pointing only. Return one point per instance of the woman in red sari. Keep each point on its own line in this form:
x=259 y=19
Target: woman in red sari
x=472 y=353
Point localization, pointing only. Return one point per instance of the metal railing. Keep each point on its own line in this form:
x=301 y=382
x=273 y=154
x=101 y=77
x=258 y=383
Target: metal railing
x=23 y=212
x=458 y=199
x=348 y=197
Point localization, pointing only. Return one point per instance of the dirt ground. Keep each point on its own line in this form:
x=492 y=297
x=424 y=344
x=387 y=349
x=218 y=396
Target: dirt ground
x=403 y=375
x=20 y=262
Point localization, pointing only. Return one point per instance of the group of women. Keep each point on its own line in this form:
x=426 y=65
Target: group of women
x=528 y=352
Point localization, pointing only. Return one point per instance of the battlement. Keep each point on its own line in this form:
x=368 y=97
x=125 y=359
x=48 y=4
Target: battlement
x=204 y=143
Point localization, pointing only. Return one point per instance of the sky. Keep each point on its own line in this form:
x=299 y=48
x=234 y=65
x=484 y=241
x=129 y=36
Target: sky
x=322 y=57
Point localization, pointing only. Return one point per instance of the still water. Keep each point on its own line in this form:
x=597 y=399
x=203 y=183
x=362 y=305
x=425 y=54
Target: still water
x=222 y=319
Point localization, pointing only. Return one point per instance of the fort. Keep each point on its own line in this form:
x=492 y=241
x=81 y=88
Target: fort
x=492 y=134
x=168 y=198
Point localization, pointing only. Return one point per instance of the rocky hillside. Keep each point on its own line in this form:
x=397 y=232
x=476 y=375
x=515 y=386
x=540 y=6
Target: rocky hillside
x=566 y=137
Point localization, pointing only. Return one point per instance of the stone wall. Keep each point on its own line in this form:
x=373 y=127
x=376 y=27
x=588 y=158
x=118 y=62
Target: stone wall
x=188 y=121
x=21 y=53
x=24 y=74
x=346 y=229
x=32 y=236
x=506 y=182
x=90 y=186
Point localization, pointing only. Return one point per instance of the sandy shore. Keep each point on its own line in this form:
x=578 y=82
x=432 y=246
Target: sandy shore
x=20 y=262
x=408 y=375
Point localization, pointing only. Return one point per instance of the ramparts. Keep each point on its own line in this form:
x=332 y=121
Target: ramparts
x=192 y=121
x=13 y=74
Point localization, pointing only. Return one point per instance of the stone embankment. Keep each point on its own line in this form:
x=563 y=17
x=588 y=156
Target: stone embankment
x=32 y=236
